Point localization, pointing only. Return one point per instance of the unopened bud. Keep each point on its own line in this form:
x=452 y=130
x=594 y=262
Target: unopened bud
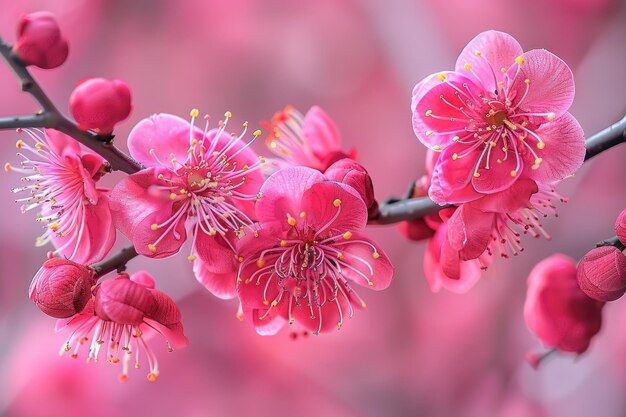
x=61 y=288
x=99 y=104
x=39 y=41
x=602 y=273
x=350 y=172
x=620 y=227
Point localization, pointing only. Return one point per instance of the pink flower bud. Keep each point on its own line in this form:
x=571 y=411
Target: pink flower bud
x=39 y=41
x=61 y=288
x=350 y=172
x=100 y=104
x=123 y=301
x=620 y=227
x=556 y=310
x=602 y=273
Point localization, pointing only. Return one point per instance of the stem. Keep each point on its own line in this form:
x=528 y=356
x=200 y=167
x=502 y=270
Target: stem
x=115 y=262
x=51 y=117
x=606 y=139
x=614 y=241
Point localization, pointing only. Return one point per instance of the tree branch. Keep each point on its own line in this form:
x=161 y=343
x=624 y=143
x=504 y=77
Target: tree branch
x=116 y=262
x=606 y=139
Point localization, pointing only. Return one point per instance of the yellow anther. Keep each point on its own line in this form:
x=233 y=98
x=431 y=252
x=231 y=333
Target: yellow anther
x=302 y=215
x=191 y=258
x=503 y=69
x=19 y=144
x=337 y=202
x=260 y=263
x=441 y=77
x=160 y=176
x=363 y=305
x=228 y=114
x=173 y=196
x=226 y=215
x=519 y=60
x=273 y=145
x=7 y=167
x=152 y=376
x=152 y=248
x=437 y=148
x=291 y=221
x=499 y=161
x=500 y=83
x=194 y=112
x=245 y=124
x=347 y=235
x=375 y=255
x=551 y=116
x=370 y=283
x=514 y=173
x=467 y=67
x=240 y=258
x=239 y=316
x=339 y=255
x=509 y=124
x=54 y=226
x=428 y=113
x=477 y=53
x=283 y=243
x=429 y=133
x=476 y=174
x=265 y=302
x=245 y=167
x=526 y=81
x=154 y=226
x=274 y=303
x=455 y=156
x=538 y=161
x=492 y=144
x=257 y=133
x=456 y=139
x=262 y=159
x=541 y=145
x=183 y=191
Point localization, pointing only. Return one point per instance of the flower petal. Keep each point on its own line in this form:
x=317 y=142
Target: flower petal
x=320 y=132
x=497 y=50
x=469 y=231
x=215 y=252
x=504 y=169
x=363 y=262
x=551 y=83
x=451 y=181
x=508 y=201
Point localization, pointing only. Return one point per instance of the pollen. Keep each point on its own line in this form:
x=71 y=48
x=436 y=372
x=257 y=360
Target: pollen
x=437 y=148
x=429 y=133
x=476 y=174
x=274 y=303
x=441 y=77
x=173 y=196
x=302 y=215
x=283 y=243
x=273 y=145
x=370 y=283
x=191 y=258
x=291 y=221
x=260 y=263
x=19 y=144
x=455 y=156
x=541 y=145
x=265 y=302
x=152 y=248
x=194 y=112
x=467 y=67
x=240 y=258
x=514 y=173
x=456 y=139
x=152 y=376
x=337 y=202
x=492 y=144
x=154 y=226
x=519 y=60
x=477 y=53
x=503 y=70
x=7 y=167
x=256 y=133
x=428 y=113
x=228 y=114
x=54 y=226
x=339 y=255
x=347 y=235
x=363 y=305
x=375 y=255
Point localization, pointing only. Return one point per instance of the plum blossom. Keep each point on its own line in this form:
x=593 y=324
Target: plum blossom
x=40 y=41
x=60 y=178
x=499 y=117
x=602 y=273
x=311 y=140
x=302 y=263
x=207 y=178
x=99 y=104
x=120 y=317
x=556 y=310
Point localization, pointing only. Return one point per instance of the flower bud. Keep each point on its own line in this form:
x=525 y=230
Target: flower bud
x=620 y=227
x=602 y=273
x=556 y=310
x=61 y=288
x=39 y=41
x=123 y=301
x=100 y=104
x=350 y=172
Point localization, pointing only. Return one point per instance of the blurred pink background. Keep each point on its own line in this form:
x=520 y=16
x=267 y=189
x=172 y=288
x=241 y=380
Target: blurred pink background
x=411 y=353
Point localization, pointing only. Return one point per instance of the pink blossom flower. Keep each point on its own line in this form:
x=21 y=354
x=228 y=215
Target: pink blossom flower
x=602 y=273
x=206 y=177
x=350 y=172
x=300 y=266
x=61 y=180
x=99 y=104
x=62 y=288
x=620 y=227
x=40 y=41
x=310 y=140
x=499 y=117
x=122 y=314
x=556 y=310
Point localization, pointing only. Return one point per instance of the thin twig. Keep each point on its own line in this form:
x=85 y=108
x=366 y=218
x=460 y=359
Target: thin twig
x=116 y=262
x=614 y=241
x=606 y=139
x=51 y=117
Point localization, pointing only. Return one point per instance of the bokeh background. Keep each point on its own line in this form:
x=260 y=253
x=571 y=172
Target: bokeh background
x=411 y=353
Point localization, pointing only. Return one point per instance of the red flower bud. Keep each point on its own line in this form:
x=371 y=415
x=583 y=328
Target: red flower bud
x=39 y=41
x=124 y=301
x=556 y=310
x=100 y=104
x=620 y=227
x=602 y=273
x=350 y=172
x=61 y=288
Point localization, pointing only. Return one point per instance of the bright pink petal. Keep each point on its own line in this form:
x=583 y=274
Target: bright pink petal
x=321 y=213
x=507 y=201
x=61 y=144
x=282 y=193
x=551 y=87
x=220 y=285
x=504 y=170
x=451 y=181
x=450 y=261
x=564 y=150
x=164 y=133
x=320 y=132
x=436 y=118
x=497 y=50
x=166 y=319
x=469 y=231
x=215 y=252
x=363 y=262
